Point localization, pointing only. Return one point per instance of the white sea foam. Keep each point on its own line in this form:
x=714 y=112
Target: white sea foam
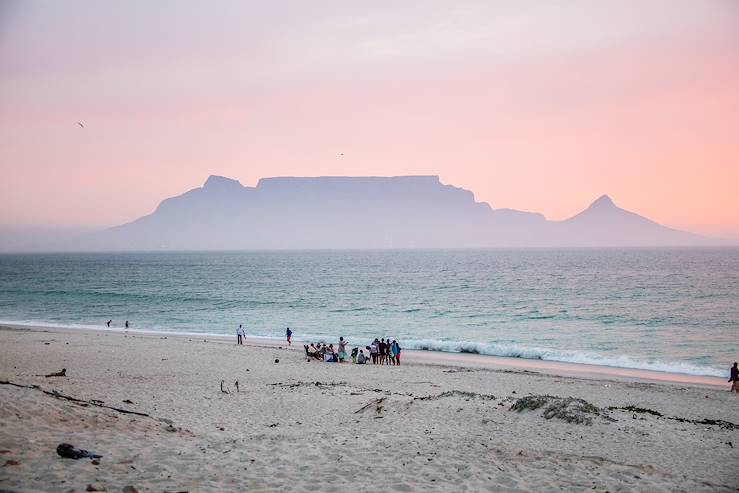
x=577 y=357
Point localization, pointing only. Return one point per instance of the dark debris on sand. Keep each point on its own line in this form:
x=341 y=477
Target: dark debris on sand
x=307 y=384
x=724 y=425
x=456 y=393
x=635 y=409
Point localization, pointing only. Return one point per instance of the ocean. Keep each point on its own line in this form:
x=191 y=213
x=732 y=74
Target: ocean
x=674 y=310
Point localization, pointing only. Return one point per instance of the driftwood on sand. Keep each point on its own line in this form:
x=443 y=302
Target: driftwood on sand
x=62 y=373
x=82 y=402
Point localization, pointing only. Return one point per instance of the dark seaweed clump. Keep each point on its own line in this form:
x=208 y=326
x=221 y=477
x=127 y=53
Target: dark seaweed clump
x=569 y=409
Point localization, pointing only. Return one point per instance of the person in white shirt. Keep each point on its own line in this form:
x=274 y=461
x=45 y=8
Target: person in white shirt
x=240 y=334
x=374 y=350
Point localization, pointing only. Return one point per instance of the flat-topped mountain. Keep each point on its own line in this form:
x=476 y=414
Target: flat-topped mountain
x=368 y=212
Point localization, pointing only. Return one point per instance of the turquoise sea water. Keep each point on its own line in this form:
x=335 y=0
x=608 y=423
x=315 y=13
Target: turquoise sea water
x=662 y=309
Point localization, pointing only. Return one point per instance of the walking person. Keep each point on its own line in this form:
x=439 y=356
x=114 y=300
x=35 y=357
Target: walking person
x=289 y=335
x=126 y=323
x=108 y=323
x=734 y=379
x=240 y=334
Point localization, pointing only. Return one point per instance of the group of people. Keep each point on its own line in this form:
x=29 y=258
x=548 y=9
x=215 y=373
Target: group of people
x=111 y=321
x=384 y=352
x=379 y=352
x=329 y=353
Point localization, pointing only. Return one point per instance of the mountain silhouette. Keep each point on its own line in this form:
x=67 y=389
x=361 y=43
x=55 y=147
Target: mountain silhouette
x=368 y=212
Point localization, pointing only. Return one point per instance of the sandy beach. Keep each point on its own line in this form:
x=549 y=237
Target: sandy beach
x=433 y=424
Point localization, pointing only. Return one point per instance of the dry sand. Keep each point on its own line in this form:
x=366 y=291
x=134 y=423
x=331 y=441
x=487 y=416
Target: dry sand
x=312 y=426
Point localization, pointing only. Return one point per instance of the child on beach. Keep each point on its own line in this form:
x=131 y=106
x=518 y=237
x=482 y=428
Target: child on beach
x=354 y=355
x=289 y=334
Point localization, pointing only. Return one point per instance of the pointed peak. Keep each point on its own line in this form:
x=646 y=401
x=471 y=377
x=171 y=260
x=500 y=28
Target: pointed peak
x=603 y=202
x=215 y=181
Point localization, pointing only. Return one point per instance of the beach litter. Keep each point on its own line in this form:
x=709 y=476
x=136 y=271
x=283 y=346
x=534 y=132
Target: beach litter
x=70 y=452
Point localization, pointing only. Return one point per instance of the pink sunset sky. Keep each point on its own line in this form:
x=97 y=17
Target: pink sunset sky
x=539 y=106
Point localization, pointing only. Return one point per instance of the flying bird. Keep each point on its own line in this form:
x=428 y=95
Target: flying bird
x=80 y=124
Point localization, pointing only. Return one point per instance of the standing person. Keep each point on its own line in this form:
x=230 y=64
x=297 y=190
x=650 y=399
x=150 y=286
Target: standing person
x=289 y=334
x=126 y=323
x=342 y=349
x=109 y=322
x=240 y=334
x=382 y=351
x=391 y=351
x=374 y=349
x=734 y=379
x=396 y=350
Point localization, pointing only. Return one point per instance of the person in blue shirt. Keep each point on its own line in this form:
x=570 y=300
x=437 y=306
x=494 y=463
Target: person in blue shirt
x=289 y=334
x=395 y=348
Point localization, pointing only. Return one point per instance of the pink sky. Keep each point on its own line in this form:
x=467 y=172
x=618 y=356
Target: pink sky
x=539 y=106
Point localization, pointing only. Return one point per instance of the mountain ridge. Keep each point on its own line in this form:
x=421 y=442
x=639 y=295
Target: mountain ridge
x=334 y=212
x=371 y=212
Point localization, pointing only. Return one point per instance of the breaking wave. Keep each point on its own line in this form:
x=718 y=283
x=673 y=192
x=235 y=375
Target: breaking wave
x=577 y=357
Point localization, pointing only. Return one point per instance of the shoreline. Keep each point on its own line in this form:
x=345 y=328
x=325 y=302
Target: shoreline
x=429 y=357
